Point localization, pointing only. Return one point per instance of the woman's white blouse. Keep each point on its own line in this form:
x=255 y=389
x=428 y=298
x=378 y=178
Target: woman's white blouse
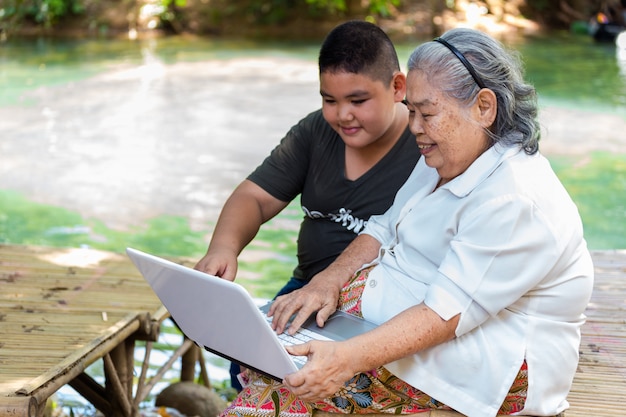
x=502 y=244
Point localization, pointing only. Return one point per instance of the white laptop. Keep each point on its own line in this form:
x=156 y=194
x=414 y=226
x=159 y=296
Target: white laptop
x=222 y=317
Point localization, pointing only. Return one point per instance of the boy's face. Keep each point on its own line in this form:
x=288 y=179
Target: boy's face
x=359 y=108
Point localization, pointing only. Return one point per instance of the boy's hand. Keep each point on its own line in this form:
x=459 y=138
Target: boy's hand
x=222 y=264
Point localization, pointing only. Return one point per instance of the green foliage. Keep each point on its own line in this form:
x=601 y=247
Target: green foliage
x=165 y=235
x=44 y=12
x=48 y=13
x=271 y=259
x=177 y=3
x=24 y=222
x=28 y=223
x=382 y=7
x=540 y=5
x=279 y=11
x=377 y=7
x=177 y=13
x=331 y=6
x=270 y=12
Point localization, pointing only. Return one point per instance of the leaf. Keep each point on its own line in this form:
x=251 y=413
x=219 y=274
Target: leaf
x=363 y=399
x=341 y=402
x=362 y=381
x=276 y=401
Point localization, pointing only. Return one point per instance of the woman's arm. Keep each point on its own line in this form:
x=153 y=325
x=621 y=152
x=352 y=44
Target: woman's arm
x=331 y=364
x=321 y=294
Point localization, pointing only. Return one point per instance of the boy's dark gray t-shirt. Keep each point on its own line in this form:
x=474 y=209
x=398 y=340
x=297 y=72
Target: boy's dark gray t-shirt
x=310 y=160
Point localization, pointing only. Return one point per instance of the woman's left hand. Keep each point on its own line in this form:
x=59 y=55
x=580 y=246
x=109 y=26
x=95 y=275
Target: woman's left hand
x=331 y=364
x=325 y=373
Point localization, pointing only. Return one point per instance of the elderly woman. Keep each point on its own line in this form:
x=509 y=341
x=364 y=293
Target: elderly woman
x=478 y=274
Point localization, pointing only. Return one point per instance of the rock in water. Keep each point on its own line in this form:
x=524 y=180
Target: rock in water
x=191 y=399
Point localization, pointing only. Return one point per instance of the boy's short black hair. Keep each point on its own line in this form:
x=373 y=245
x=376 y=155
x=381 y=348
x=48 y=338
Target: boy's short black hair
x=359 y=47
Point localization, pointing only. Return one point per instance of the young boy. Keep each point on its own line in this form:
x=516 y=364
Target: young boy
x=346 y=160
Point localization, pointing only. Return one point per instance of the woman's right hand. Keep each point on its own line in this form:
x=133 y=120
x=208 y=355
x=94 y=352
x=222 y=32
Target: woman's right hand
x=319 y=295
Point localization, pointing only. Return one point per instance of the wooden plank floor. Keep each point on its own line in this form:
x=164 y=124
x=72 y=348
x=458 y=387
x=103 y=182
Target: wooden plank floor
x=61 y=310
x=57 y=305
x=599 y=388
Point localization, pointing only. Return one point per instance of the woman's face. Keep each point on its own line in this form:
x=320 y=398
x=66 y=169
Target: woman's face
x=450 y=136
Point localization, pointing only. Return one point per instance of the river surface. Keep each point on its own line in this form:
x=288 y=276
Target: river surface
x=124 y=131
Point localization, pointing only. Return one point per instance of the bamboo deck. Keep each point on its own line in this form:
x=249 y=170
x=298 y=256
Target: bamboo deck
x=63 y=309
x=60 y=311
x=599 y=388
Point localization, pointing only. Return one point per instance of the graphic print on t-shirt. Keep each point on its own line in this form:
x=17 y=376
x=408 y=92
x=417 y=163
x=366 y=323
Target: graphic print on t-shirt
x=344 y=217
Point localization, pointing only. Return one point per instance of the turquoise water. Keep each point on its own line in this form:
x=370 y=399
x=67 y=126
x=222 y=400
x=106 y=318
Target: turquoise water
x=568 y=70
x=26 y=64
x=575 y=72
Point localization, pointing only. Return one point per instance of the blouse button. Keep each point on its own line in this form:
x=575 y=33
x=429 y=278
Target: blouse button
x=373 y=283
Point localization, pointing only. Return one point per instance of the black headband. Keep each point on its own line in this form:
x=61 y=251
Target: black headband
x=463 y=60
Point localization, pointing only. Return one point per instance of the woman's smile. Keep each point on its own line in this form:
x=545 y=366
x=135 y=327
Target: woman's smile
x=426 y=148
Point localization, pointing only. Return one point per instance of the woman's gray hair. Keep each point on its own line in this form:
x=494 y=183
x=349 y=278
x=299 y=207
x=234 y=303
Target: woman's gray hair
x=500 y=70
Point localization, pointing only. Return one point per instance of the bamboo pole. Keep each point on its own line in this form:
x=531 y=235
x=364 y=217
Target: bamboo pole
x=116 y=386
x=26 y=406
x=188 y=364
x=203 y=370
x=142 y=376
x=177 y=354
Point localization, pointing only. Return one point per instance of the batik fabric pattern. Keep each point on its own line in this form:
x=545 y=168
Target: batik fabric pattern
x=376 y=391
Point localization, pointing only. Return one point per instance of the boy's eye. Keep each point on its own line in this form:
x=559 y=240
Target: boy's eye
x=360 y=101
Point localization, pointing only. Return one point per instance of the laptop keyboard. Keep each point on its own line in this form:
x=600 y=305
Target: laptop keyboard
x=299 y=337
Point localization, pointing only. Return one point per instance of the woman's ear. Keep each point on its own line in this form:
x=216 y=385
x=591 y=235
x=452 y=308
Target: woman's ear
x=487 y=105
x=398 y=83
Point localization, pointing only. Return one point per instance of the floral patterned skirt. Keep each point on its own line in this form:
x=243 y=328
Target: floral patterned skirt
x=375 y=391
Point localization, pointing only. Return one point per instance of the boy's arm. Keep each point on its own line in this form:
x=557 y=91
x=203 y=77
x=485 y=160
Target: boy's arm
x=247 y=208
